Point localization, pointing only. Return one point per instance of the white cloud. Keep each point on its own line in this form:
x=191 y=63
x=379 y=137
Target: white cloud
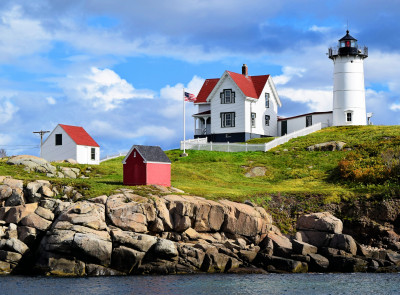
x=7 y=110
x=20 y=35
x=51 y=100
x=288 y=74
x=395 y=107
x=319 y=29
x=316 y=100
x=176 y=92
x=105 y=89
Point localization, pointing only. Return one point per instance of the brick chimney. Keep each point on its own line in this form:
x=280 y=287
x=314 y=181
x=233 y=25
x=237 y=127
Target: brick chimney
x=245 y=71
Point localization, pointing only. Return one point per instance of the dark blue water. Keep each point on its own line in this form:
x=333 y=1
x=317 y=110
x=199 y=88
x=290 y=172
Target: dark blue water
x=207 y=284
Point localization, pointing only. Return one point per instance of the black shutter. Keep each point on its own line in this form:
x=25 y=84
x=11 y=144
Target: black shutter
x=233 y=119
x=222 y=96
x=233 y=97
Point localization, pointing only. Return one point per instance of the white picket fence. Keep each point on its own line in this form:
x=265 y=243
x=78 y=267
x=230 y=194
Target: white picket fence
x=203 y=145
x=109 y=157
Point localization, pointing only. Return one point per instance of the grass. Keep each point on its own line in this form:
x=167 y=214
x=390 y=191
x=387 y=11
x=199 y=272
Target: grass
x=290 y=170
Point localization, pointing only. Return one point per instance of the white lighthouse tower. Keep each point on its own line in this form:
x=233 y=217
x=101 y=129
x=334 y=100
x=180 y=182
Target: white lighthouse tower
x=348 y=82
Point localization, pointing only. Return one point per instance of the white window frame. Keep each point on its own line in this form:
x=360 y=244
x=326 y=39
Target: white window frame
x=266 y=100
x=227 y=119
x=253 y=120
x=267 y=119
x=349 y=114
x=225 y=94
x=307 y=117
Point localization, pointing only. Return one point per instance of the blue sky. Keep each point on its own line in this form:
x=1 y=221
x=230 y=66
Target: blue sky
x=117 y=68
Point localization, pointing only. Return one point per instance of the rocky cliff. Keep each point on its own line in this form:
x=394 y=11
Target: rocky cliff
x=50 y=230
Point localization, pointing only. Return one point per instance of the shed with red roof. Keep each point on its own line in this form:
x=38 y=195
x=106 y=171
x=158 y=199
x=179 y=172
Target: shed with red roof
x=146 y=165
x=71 y=142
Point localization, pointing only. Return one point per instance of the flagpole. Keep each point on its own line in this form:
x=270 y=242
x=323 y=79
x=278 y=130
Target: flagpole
x=184 y=124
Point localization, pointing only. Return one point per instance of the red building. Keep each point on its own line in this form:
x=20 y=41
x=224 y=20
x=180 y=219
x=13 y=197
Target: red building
x=145 y=165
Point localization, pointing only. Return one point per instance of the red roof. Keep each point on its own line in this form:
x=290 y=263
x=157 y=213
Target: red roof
x=251 y=86
x=79 y=135
x=206 y=89
x=302 y=115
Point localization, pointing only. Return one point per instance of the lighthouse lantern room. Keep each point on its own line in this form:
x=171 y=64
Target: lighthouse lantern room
x=348 y=82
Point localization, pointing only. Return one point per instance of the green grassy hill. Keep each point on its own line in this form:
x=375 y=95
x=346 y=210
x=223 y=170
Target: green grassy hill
x=295 y=180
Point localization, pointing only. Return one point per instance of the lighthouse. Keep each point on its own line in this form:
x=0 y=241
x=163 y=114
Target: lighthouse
x=348 y=82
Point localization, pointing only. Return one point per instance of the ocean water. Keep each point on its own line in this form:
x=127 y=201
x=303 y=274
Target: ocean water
x=207 y=284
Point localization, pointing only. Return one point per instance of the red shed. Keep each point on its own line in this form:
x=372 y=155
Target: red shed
x=145 y=165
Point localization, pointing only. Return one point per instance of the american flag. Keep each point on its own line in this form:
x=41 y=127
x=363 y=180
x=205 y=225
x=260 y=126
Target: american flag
x=190 y=97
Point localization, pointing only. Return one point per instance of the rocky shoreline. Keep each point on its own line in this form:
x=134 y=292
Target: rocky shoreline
x=50 y=230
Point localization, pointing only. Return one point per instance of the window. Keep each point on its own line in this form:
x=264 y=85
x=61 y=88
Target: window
x=227 y=96
x=58 y=139
x=267 y=118
x=267 y=100
x=348 y=117
x=253 y=120
x=308 y=121
x=134 y=154
x=93 y=153
x=227 y=120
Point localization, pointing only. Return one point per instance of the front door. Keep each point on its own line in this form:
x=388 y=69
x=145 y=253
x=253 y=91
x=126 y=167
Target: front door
x=283 y=128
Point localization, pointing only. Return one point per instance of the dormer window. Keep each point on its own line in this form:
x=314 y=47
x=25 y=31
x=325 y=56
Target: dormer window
x=227 y=96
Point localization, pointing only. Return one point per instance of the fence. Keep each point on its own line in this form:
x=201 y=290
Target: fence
x=109 y=157
x=197 y=144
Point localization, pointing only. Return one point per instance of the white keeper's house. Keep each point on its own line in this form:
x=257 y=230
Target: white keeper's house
x=238 y=107
x=71 y=142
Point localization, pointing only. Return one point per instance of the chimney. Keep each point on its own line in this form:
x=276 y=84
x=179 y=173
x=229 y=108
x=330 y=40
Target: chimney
x=245 y=70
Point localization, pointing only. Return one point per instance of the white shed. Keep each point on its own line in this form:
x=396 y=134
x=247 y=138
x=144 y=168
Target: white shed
x=71 y=142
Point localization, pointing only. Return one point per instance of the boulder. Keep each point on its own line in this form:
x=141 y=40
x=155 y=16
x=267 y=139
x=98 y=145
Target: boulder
x=16 y=198
x=327 y=146
x=303 y=248
x=14 y=245
x=93 y=247
x=84 y=213
x=165 y=248
x=315 y=238
x=129 y=213
x=281 y=244
x=341 y=263
x=318 y=263
x=35 y=221
x=288 y=265
x=44 y=213
x=11 y=257
x=344 y=242
x=139 y=242
x=323 y=221
x=16 y=213
x=95 y=270
x=5 y=192
x=27 y=234
x=125 y=259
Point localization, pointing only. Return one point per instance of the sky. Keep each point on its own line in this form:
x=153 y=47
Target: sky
x=117 y=68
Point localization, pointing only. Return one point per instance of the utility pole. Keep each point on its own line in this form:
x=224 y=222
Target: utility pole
x=41 y=132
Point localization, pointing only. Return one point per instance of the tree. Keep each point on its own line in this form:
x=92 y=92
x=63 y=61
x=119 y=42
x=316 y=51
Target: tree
x=3 y=153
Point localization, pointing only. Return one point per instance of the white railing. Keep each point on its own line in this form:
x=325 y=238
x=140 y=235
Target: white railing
x=109 y=157
x=202 y=144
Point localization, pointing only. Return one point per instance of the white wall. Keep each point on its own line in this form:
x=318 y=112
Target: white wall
x=259 y=108
x=294 y=124
x=53 y=152
x=84 y=155
x=204 y=107
x=217 y=108
x=349 y=91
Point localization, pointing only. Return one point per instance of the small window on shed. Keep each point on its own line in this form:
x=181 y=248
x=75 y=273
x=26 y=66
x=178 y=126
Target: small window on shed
x=308 y=121
x=58 y=139
x=93 y=153
x=134 y=154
